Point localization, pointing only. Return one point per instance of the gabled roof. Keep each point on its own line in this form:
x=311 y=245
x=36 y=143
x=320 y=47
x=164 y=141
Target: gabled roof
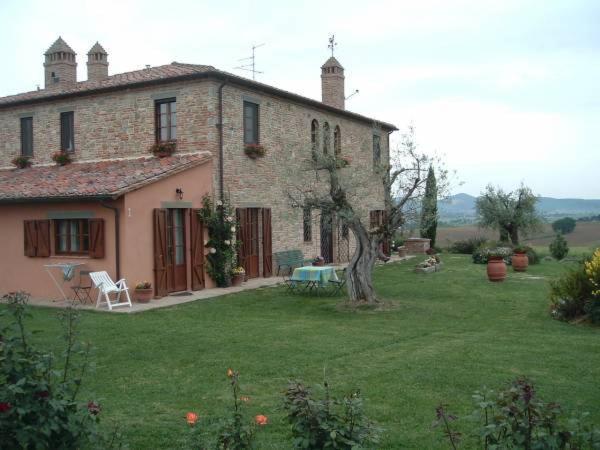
x=171 y=73
x=107 y=179
x=59 y=46
x=97 y=48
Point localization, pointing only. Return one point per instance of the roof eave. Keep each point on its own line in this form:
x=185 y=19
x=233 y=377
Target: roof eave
x=58 y=199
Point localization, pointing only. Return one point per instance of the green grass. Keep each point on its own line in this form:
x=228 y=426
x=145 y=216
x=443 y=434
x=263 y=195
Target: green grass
x=443 y=336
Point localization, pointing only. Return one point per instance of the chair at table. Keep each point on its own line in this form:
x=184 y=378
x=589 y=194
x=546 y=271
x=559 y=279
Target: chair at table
x=107 y=286
x=82 y=291
x=338 y=285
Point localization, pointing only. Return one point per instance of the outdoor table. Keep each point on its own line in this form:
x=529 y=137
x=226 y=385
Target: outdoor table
x=67 y=271
x=314 y=276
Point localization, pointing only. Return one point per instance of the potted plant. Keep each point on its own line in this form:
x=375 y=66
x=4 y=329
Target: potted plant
x=61 y=158
x=318 y=261
x=254 y=150
x=343 y=161
x=164 y=148
x=143 y=292
x=239 y=274
x=22 y=162
x=496 y=267
x=520 y=260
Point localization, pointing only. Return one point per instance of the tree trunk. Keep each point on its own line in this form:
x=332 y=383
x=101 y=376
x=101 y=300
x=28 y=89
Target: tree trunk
x=360 y=269
x=514 y=235
x=503 y=235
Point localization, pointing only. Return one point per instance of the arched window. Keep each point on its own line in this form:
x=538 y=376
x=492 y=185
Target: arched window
x=326 y=138
x=337 y=140
x=314 y=134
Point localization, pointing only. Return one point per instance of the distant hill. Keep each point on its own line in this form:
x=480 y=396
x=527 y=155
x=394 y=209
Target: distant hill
x=461 y=207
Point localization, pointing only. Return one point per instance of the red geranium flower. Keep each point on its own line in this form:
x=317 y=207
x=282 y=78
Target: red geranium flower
x=5 y=406
x=191 y=418
x=94 y=408
x=261 y=420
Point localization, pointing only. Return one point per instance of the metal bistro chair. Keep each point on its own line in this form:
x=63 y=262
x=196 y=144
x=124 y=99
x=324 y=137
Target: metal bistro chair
x=338 y=285
x=83 y=290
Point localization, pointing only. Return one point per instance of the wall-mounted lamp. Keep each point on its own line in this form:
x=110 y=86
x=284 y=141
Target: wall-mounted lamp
x=179 y=193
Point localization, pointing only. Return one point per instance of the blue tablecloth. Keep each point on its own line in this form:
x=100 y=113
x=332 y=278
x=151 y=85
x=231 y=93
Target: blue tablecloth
x=315 y=274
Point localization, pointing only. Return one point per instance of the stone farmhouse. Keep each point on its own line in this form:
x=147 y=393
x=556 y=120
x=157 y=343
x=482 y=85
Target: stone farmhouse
x=116 y=207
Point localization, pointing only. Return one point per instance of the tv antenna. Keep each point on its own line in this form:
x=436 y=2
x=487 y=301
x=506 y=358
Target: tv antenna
x=332 y=44
x=251 y=65
x=353 y=93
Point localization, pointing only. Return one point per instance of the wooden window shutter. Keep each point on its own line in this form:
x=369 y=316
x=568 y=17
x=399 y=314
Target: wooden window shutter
x=373 y=219
x=267 y=243
x=160 y=252
x=30 y=235
x=197 y=250
x=43 y=238
x=96 y=229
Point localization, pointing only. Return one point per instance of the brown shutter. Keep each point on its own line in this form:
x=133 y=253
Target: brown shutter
x=373 y=219
x=386 y=241
x=43 y=238
x=96 y=228
x=240 y=214
x=197 y=250
x=267 y=244
x=160 y=252
x=30 y=235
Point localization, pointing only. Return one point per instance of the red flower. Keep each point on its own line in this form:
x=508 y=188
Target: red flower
x=191 y=418
x=5 y=406
x=261 y=420
x=94 y=408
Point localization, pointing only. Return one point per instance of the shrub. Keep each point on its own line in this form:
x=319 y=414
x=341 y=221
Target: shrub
x=327 y=422
x=516 y=418
x=532 y=255
x=570 y=293
x=38 y=400
x=61 y=158
x=559 y=247
x=467 y=246
x=22 y=162
x=565 y=225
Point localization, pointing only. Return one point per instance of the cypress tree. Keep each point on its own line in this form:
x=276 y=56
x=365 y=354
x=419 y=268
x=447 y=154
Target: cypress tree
x=429 y=213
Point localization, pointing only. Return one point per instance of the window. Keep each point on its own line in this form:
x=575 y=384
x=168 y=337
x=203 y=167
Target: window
x=71 y=236
x=166 y=120
x=250 y=123
x=326 y=138
x=376 y=150
x=345 y=231
x=314 y=134
x=27 y=136
x=337 y=140
x=307 y=224
x=67 y=131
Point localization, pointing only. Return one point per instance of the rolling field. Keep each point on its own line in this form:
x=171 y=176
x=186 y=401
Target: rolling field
x=586 y=234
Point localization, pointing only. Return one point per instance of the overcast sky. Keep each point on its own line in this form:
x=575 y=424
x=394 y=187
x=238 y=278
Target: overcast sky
x=508 y=91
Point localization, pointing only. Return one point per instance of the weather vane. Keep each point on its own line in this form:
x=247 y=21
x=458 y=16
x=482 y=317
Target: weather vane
x=332 y=44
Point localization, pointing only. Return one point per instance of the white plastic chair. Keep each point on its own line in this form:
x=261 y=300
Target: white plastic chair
x=106 y=286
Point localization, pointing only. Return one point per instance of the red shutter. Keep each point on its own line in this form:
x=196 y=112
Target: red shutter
x=96 y=229
x=160 y=252
x=267 y=244
x=197 y=250
x=30 y=235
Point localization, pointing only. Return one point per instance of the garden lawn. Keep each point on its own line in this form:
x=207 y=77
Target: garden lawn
x=442 y=336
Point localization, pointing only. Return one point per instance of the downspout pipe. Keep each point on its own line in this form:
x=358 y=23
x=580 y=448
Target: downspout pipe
x=220 y=127
x=117 y=237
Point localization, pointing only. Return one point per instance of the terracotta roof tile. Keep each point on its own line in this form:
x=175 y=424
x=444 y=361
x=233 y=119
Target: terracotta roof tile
x=110 y=178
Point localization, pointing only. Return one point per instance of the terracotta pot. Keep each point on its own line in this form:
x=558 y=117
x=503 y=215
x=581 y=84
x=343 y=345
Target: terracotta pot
x=402 y=252
x=318 y=263
x=143 y=295
x=496 y=269
x=520 y=262
x=238 y=279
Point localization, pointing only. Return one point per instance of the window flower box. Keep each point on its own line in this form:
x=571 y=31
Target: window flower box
x=22 y=162
x=163 y=149
x=61 y=158
x=254 y=151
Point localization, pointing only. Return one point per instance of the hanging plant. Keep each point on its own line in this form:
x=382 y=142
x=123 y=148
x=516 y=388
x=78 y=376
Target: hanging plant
x=163 y=149
x=254 y=150
x=222 y=245
x=61 y=158
x=22 y=162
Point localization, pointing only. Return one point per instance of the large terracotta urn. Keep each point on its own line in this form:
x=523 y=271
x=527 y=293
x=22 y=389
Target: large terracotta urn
x=496 y=269
x=520 y=262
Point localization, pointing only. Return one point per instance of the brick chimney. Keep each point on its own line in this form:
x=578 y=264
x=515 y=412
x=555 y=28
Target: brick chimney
x=332 y=83
x=60 y=66
x=97 y=63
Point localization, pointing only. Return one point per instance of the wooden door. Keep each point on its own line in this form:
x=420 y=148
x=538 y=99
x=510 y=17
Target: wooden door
x=248 y=255
x=176 y=249
x=197 y=250
x=327 y=237
x=267 y=246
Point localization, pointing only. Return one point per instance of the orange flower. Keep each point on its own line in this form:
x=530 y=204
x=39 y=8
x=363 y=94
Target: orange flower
x=261 y=420
x=229 y=372
x=245 y=398
x=191 y=418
